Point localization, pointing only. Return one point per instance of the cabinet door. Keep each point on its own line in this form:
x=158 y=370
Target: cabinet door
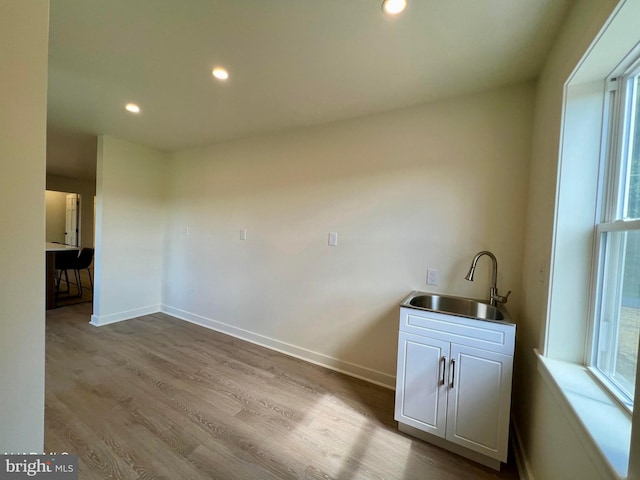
x=421 y=389
x=479 y=400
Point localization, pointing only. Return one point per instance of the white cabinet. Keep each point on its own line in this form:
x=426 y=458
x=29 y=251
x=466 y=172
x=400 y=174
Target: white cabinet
x=421 y=400
x=454 y=382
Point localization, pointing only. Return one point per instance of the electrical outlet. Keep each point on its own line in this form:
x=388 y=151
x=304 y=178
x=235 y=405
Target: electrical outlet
x=433 y=276
x=243 y=234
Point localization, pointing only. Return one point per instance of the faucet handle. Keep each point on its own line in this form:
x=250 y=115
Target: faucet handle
x=501 y=298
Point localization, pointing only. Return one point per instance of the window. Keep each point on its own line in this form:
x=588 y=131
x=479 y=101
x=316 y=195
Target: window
x=616 y=313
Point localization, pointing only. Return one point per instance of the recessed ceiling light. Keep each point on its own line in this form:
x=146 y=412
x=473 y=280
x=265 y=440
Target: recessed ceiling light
x=132 y=107
x=394 y=7
x=220 y=73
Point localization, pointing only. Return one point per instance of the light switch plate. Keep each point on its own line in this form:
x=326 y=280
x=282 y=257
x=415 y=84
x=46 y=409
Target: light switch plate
x=333 y=239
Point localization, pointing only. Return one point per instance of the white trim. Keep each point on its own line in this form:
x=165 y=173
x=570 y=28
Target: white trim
x=606 y=294
x=623 y=17
x=585 y=404
x=612 y=147
x=358 y=371
x=612 y=85
x=520 y=454
x=100 y=321
x=618 y=226
x=612 y=387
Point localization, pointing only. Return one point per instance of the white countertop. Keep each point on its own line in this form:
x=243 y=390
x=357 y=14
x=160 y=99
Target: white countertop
x=58 y=247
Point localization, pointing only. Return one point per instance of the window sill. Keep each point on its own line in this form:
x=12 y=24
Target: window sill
x=603 y=422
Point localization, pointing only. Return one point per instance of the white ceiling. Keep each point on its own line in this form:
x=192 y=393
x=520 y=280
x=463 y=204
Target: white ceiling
x=292 y=62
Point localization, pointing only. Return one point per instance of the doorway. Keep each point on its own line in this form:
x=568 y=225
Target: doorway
x=63 y=217
x=72 y=220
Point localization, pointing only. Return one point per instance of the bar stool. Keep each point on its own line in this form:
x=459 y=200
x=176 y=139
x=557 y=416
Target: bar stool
x=83 y=262
x=64 y=261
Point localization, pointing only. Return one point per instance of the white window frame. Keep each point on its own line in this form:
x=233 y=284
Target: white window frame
x=619 y=120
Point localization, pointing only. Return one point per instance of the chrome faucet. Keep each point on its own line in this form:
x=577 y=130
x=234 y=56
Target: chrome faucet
x=493 y=293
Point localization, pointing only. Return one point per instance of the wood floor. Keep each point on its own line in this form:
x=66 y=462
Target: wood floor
x=158 y=398
x=71 y=297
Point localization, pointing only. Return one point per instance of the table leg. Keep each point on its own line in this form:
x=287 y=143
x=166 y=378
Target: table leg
x=51 y=280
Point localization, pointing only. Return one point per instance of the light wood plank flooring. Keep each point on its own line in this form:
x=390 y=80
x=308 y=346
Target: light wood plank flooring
x=158 y=398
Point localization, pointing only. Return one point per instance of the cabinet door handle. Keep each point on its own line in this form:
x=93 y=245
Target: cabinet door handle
x=443 y=367
x=453 y=372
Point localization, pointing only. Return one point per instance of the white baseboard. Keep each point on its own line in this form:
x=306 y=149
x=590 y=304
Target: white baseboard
x=522 y=462
x=351 y=369
x=100 y=321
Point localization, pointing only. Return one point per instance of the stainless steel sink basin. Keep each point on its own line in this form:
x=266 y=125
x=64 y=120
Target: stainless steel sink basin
x=460 y=306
